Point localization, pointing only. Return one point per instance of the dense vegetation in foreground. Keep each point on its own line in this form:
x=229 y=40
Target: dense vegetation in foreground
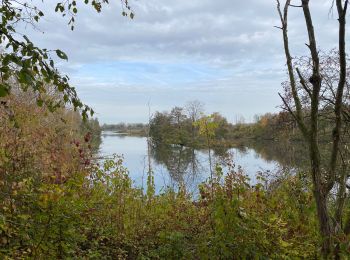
x=57 y=203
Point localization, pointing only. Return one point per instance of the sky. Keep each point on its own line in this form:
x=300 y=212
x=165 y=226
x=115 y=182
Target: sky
x=224 y=53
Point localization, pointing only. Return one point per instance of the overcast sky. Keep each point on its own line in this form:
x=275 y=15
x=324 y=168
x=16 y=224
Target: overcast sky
x=224 y=53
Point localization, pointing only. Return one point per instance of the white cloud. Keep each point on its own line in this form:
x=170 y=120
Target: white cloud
x=237 y=39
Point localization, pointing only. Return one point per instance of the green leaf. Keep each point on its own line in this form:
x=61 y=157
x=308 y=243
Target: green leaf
x=26 y=38
x=60 y=87
x=39 y=102
x=61 y=55
x=24 y=77
x=4 y=90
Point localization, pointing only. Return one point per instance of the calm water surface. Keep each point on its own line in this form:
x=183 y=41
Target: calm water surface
x=174 y=165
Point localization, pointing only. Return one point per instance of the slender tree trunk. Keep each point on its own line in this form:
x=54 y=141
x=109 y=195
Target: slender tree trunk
x=323 y=181
x=324 y=219
x=210 y=163
x=320 y=193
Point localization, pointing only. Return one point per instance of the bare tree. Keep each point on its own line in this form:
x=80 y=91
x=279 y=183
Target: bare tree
x=194 y=110
x=327 y=178
x=239 y=119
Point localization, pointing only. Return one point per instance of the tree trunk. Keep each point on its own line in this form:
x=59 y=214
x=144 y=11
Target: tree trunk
x=324 y=219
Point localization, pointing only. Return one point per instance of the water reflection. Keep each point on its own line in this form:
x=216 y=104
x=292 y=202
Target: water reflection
x=183 y=164
x=175 y=165
x=284 y=152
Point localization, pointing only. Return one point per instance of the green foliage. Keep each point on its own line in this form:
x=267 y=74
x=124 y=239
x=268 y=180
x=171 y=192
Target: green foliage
x=57 y=202
x=207 y=126
x=96 y=213
x=279 y=126
x=92 y=132
x=32 y=67
x=178 y=127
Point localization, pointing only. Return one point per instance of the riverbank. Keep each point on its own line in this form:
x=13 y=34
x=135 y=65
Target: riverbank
x=132 y=129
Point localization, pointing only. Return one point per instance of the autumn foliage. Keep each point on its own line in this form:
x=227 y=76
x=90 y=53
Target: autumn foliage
x=58 y=203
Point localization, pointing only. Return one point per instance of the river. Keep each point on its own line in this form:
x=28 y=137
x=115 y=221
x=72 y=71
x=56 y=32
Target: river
x=175 y=164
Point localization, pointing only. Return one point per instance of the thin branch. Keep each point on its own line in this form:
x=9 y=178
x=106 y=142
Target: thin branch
x=295 y=5
x=298 y=115
x=340 y=92
x=303 y=83
x=287 y=107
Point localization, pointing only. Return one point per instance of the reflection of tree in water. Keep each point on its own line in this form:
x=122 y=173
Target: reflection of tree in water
x=220 y=151
x=290 y=154
x=186 y=165
x=181 y=162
